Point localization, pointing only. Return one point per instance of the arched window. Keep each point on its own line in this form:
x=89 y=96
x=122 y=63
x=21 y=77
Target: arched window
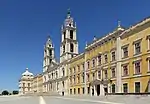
x=71 y=47
x=71 y=34
x=63 y=48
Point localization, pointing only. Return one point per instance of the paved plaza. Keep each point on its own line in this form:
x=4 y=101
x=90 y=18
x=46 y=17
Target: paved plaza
x=74 y=100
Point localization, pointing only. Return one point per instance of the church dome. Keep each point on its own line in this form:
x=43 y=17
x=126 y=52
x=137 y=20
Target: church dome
x=27 y=73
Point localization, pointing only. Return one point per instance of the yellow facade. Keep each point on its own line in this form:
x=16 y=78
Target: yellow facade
x=140 y=35
x=37 y=83
x=124 y=71
x=75 y=69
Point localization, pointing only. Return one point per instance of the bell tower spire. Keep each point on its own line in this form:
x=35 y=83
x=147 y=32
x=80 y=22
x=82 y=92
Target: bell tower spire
x=69 y=43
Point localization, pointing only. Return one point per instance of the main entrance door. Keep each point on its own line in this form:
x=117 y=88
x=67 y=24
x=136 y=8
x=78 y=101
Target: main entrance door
x=98 y=90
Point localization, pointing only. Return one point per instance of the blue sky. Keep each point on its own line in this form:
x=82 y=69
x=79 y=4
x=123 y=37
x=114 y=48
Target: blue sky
x=25 y=25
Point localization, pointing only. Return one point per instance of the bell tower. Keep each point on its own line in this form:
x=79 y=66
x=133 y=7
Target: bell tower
x=69 y=43
x=49 y=57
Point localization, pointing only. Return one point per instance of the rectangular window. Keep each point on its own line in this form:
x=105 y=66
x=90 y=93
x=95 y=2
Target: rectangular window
x=137 y=48
x=83 y=77
x=93 y=62
x=83 y=66
x=137 y=87
x=99 y=60
x=93 y=76
x=64 y=35
x=105 y=72
x=106 y=58
x=83 y=90
x=113 y=72
x=113 y=56
x=74 y=91
x=88 y=64
x=63 y=48
x=78 y=90
x=113 y=88
x=63 y=83
x=125 y=70
x=88 y=77
x=148 y=65
x=137 y=67
x=88 y=88
x=78 y=68
x=70 y=91
x=125 y=52
x=125 y=88
x=99 y=74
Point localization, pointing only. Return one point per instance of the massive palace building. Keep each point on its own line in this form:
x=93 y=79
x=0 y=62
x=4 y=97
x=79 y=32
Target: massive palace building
x=119 y=62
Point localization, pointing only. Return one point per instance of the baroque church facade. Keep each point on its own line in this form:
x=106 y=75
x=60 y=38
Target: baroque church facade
x=55 y=76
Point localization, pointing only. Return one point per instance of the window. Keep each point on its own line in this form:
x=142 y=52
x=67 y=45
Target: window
x=137 y=87
x=99 y=60
x=88 y=64
x=56 y=74
x=45 y=78
x=93 y=62
x=83 y=77
x=106 y=58
x=113 y=72
x=113 y=56
x=78 y=90
x=70 y=91
x=63 y=72
x=105 y=72
x=93 y=76
x=52 y=75
x=78 y=68
x=99 y=74
x=83 y=90
x=125 y=70
x=63 y=48
x=74 y=91
x=125 y=88
x=63 y=83
x=113 y=88
x=88 y=88
x=137 y=48
x=64 y=35
x=125 y=52
x=88 y=77
x=71 y=47
x=50 y=52
x=83 y=66
x=71 y=34
x=23 y=84
x=137 y=67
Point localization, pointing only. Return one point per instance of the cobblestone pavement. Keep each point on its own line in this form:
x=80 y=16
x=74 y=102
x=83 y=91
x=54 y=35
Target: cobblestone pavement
x=75 y=100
